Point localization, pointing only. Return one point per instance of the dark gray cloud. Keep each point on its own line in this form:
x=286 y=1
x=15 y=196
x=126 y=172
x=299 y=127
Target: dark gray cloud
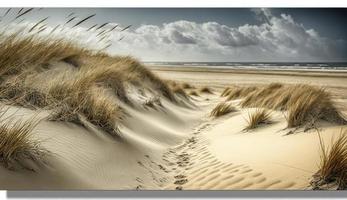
x=179 y=38
x=278 y=38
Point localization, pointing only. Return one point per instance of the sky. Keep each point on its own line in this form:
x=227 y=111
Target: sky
x=216 y=34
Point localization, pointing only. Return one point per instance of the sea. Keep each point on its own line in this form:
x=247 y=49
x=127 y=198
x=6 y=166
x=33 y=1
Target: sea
x=257 y=65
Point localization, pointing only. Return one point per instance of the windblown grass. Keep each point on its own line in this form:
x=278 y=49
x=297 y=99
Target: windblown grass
x=103 y=113
x=262 y=96
x=95 y=105
x=134 y=71
x=239 y=92
x=310 y=104
x=98 y=107
x=17 y=93
x=305 y=104
x=222 y=109
x=95 y=85
x=17 y=146
x=18 y=53
x=257 y=118
x=333 y=165
x=226 y=92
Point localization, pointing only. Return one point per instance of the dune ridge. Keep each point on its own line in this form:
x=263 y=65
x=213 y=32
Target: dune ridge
x=110 y=122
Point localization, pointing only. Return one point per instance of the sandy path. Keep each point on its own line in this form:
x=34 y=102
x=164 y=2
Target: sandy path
x=218 y=155
x=195 y=166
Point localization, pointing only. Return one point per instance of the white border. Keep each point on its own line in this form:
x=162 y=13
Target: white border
x=170 y=3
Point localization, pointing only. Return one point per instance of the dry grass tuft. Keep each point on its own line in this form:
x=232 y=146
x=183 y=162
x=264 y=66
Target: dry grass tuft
x=206 y=90
x=194 y=93
x=103 y=113
x=94 y=104
x=257 y=118
x=17 y=93
x=262 y=96
x=305 y=104
x=333 y=165
x=16 y=146
x=65 y=113
x=239 y=92
x=18 y=53
x=187 y=86
x=226 y=92
x=135 y=71
x=222 y=109
x=309 y=104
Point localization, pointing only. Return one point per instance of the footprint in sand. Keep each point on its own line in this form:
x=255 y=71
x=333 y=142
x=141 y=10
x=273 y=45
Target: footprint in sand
x=181 y=181
x=194 y=167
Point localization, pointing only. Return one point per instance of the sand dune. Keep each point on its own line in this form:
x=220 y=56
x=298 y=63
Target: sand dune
x=174 y=147
x=111 y=123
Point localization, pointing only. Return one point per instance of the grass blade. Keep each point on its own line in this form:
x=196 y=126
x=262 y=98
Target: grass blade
x=83 y=20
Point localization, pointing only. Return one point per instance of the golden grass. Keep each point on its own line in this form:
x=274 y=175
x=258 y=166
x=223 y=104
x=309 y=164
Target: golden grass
x=308 y=105
x=134 y=71
x=305 y=104
x=75 y=97
x=103 y=113
x=257 y=118
x=206 y=90
x=16 y=146
x=262 y=96
x=333 y=165
x=222 y=109
x=18 y=53
x=239 y=92
x=94 y=87
x=226 y=92
x=93 y=104
x=66 y=113
x=16 y=93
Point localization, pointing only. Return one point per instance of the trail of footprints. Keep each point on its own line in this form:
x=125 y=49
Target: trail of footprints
x=190 y=166
x=156 y=172
x=195 y=168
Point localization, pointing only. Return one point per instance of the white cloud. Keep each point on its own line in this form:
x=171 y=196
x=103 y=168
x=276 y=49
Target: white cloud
x=275 y=39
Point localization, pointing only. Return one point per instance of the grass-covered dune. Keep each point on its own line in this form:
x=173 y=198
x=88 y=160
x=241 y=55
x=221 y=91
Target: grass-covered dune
x=72 y=82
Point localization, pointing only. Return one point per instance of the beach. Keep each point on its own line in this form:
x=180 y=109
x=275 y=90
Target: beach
x=181 y=146
x=223 y=77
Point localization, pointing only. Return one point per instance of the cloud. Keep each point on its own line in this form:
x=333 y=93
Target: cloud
x=276 y=38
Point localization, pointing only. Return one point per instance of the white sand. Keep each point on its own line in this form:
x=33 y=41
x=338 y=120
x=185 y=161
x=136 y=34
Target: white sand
x=181 y=146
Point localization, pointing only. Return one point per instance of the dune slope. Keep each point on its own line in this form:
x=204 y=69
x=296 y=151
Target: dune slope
x=109 y=122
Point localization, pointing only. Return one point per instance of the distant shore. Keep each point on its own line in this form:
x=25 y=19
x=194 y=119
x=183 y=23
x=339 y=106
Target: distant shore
x=226 y=69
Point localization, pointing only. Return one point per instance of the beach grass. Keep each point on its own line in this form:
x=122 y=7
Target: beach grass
x=257 y=118
x=333 y=163
x=222 y=109
x=16 y=144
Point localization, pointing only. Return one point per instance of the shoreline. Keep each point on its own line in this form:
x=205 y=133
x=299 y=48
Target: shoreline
x=288 y=72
